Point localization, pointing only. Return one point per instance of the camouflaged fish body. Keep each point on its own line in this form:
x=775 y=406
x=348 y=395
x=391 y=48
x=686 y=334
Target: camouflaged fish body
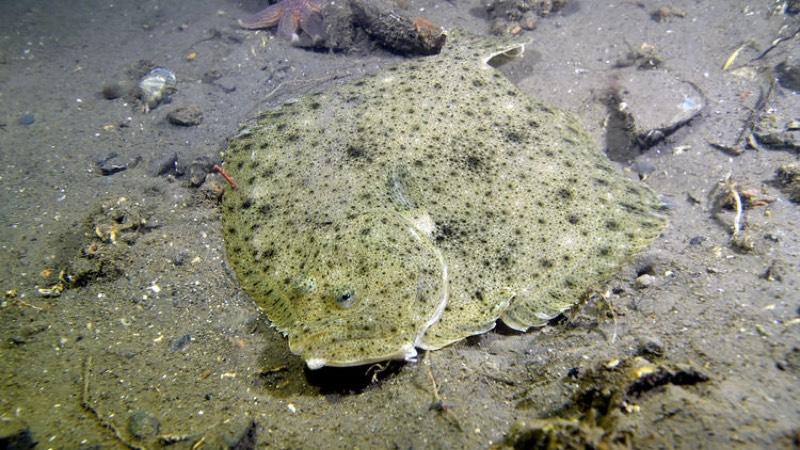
x=416 y=207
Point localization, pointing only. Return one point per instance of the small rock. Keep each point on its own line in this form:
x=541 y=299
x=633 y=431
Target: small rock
x=214 y=187
x=26 y=119
x=168 y=165
x=143 y=425
x=107 y=167
x=650 y=346
x=15 y=435
x=198 y=170
x=645 y=281
x=186 y=116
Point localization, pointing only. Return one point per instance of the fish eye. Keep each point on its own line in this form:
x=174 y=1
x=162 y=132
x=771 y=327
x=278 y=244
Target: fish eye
x=345 y=298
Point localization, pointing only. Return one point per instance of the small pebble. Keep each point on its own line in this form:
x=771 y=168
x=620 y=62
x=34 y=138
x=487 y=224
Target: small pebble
x=107 y=167
x=26 y=119
x=645 y=281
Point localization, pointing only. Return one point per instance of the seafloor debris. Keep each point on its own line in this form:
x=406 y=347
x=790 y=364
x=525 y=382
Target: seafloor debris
x=643 y=57
x=594 y=417
x=98 y=248
x=515 y=16
x=666 y=13
x=728 y=195
x=107 y=166
x=186 y=116
x=775 y=132
x=296 y=20
x=156 y=87
x=789 y=179
x=334 y=25
x=397 y=32
x=634 y=125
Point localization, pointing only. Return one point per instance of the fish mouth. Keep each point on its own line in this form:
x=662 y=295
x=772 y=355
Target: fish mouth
x=405 y=353
x=497 y=58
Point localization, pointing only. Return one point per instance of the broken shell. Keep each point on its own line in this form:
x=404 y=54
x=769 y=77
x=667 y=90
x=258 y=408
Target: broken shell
x=157 y=85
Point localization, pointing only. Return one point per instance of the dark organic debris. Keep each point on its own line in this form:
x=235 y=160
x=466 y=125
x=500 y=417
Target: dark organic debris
x=682 y=376
x=592 y=418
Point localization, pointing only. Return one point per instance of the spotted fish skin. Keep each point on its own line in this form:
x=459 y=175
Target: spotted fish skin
x=416 y=207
